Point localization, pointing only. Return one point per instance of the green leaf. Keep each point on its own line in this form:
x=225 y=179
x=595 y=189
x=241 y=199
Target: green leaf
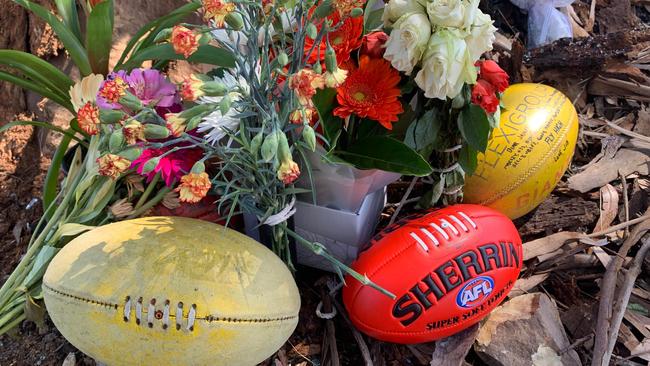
x=372 y=18
x=468 y=159
x=422 y=134
x=52 y=179
x=385 y=153
x=66 y=133
x=325 y=103
x=39 y=89
x=474 y=127
x=41 y=261
x=138 y=41
x=38 y=70
x=68 y=12
x=99 y=36
x=69 y=40
x=205 y=54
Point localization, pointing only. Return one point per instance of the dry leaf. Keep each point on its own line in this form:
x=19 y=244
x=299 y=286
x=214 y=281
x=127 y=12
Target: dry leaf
x=608 y=207
x=523 y=285
x=606 y=170
x=70 y=360
x=642 y=350
x=549 y=244
x=451 y=351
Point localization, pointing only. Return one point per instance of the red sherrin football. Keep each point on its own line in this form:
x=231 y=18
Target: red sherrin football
x=448 y=269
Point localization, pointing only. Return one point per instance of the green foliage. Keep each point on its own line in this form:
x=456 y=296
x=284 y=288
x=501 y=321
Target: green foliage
x=99 y=36
x=206 y=54
x=422 y=134
x=468 y=159
x=358 y=145
x=153 y=28
x=385 y=153
x=70 y=41
x=325 y=101
x=68 y=12
x=474 y=126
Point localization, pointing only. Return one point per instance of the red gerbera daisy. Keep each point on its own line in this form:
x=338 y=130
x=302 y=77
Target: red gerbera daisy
x=344 y=40
x=371 y=91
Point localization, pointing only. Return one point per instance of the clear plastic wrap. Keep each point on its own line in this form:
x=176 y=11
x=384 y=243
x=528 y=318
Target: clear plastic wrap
x=545 y=22
x=342 y=187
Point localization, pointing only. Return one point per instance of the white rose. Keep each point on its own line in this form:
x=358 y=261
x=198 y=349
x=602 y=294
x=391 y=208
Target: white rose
x=452 y=13
x=446 y=67
x=408 y=41
x=481 y=35
x=395 y=9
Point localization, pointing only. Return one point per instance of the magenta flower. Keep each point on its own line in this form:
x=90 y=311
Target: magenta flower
x=149 y=85
x=171 y=167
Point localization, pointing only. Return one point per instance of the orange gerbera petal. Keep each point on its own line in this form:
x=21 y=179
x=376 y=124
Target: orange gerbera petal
x=371 y=91
x=345 y=39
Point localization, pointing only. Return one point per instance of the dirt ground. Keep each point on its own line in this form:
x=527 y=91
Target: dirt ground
x=612 y=85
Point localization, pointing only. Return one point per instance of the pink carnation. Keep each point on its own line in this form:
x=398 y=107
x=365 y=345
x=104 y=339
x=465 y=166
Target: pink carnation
x=171 y=167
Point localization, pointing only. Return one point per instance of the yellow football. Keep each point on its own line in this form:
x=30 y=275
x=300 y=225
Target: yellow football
x=529 y=152
x=171 y=291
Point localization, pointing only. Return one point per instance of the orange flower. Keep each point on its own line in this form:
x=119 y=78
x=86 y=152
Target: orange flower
x=304 y=83
x=288 y=172
x=111 y=165
x=217 y=10
x=88 y=118
x=334 y=79
x=344 y=40
x=113 y=90
x=175 y=124
x=371 y=92
x=191 y=89
x=299 y=116
x=133 y=132
x=184 y=40
x=193 y=187
x=344 y=7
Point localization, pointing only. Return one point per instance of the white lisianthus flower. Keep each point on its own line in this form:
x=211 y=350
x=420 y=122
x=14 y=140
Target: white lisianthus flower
x=481 y=35
x=214 y=126
x=408 y=41
x=452 y=13
x=395 y=9
x=85 y=91
x=446 y=66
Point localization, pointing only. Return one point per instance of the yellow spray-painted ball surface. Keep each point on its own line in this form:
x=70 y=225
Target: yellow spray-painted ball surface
x=171 y=291
x=528 y=153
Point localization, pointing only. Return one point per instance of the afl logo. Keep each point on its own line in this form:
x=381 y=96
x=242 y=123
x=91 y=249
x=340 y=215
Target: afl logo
x=474 y=292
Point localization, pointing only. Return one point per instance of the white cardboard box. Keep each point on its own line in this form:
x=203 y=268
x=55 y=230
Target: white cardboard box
x=343 y=233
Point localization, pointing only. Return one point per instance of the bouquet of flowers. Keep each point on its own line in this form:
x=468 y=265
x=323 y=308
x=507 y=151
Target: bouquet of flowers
x=226 y=139
x=450 y=95
x=288 y=79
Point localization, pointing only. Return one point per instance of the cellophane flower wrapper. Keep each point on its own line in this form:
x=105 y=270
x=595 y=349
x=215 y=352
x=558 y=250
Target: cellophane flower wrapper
x=340 y=186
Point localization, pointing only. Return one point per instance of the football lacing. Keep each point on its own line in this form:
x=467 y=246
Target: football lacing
x=164 y=316
x=440 y=229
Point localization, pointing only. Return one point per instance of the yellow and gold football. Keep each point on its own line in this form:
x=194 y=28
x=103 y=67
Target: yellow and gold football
x=528 y=153
x=171 y=291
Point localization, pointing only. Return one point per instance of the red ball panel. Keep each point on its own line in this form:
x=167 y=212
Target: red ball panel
x=448 y=269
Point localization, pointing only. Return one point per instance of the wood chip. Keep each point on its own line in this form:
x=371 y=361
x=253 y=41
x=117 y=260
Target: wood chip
x=513 y=333
x=642 y=350
x=549 y=244
x=451 y=351
x=608 y=207
x=628 y=161
x=523 y=285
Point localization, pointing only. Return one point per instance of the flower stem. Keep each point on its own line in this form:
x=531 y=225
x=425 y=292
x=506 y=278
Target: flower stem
x=148 y=191
x=319 y=249
x=157 y=198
